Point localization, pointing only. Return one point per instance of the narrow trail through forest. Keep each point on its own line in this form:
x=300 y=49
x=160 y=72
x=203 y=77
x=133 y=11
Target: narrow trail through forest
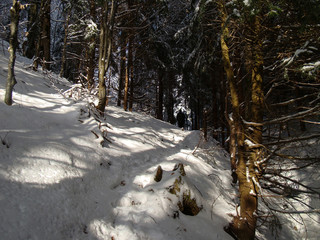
x=64 y=175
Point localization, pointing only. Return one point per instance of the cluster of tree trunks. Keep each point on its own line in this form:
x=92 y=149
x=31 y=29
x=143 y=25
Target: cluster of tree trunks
x=244 y=158
x=43 y=53
x=105 y=48
x=225 y=93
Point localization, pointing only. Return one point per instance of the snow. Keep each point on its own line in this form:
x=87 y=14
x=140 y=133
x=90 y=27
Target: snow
x=248 y=174
x=247 y=2
x=288 y=61
x=249 y=143
x=236 y=12
x=61 y=179
x=91 y=29
x=252 y=193
x=309 y=67
x=68 y=174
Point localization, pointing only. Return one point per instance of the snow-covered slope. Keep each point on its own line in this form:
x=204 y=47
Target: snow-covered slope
x=64 y=175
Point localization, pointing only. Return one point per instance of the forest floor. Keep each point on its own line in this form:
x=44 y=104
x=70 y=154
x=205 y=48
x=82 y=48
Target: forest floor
x=66 y=173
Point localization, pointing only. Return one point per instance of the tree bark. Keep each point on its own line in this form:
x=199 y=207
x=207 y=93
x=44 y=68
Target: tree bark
x=235 y=124
x=257 y=106
x=130 y=65
x=64 y=50
x=33 y=27
x=233 y=151
x=160 y=96
x=11 y=80
x=122 y=66
x=170 y=103
x=257 y=95
x=126 y=87
x=105 y=50
x=215 y=108
x=43 y=41
x=243 y=226
x=46 y=36
x=130 y=55
x=91 y=49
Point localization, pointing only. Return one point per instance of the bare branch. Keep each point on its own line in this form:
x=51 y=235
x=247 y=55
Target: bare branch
x=298 y=115
x=293 y=140
x=296 y=212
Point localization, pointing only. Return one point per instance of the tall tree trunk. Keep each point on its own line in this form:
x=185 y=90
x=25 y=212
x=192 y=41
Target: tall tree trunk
x=46 y=38
x=130 y=63
x=170 y=103
x=105 y=50
x=243 y=226
x=222 y=121
x=64 y=49
x=43 y=41
x=11 y=80
x=257 y=95
x=91 y=49
x=37 y=56
x=160 y=95
x=233 y=149
x=215 y=108
x=257 y=99
x=126 y=87
x=204 y=125
x=130 y=54
x=33 y=27
x=122 y=66
x=108 y=88
x=235 y=124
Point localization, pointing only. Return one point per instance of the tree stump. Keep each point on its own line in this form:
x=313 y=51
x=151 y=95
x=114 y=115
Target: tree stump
x=158 y=175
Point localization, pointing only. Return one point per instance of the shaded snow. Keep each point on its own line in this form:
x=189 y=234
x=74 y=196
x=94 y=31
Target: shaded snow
x=57 y=181
x=63 y=175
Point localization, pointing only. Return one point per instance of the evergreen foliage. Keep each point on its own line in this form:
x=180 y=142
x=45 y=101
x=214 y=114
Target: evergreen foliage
x=252 y=66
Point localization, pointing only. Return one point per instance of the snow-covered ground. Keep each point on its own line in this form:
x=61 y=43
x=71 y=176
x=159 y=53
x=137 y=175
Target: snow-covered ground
x=64 y=175
x=68 y=174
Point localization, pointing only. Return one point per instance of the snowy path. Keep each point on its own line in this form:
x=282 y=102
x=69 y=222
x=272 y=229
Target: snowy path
x=58 y=182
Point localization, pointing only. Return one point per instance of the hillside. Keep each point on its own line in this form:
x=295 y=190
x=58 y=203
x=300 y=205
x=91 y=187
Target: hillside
x=65 y=174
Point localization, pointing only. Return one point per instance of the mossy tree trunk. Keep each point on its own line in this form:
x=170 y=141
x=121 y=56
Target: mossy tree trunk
x=243 y=226
x=233 y=150
x=11 y=80
x=255 y=136
x=235 y=124
x=257 y=95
